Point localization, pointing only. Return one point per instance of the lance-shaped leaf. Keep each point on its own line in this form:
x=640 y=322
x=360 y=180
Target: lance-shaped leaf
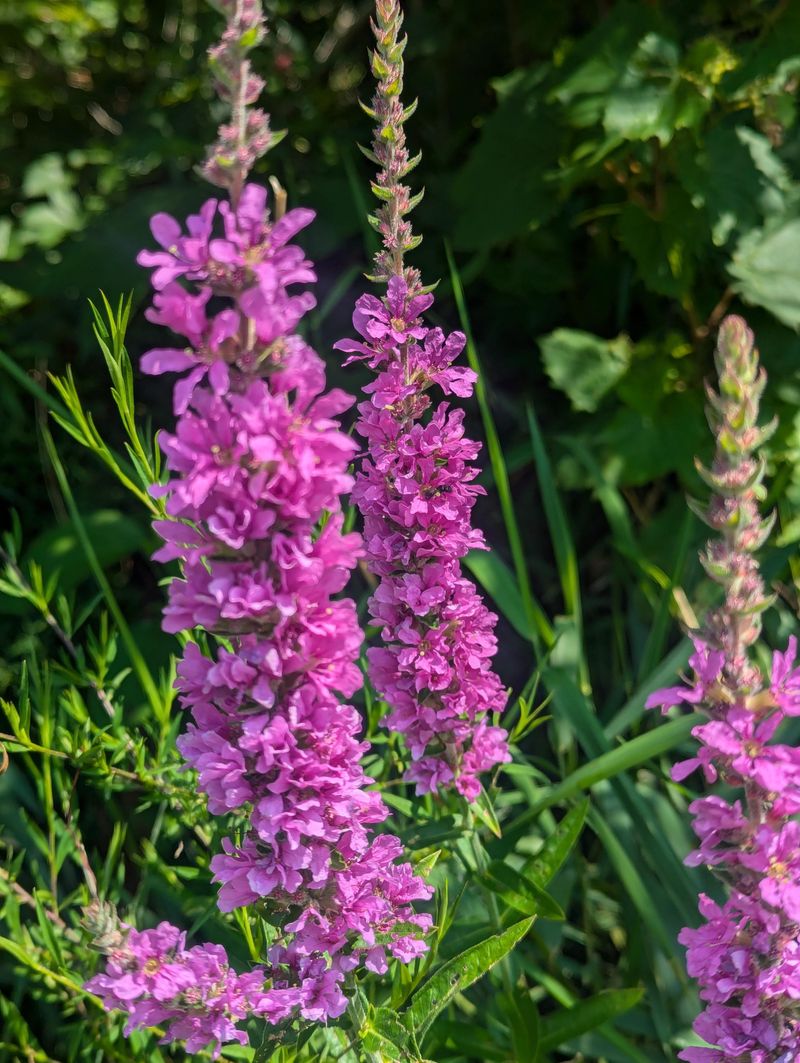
x=519 y=892
x=586 y=1015
x=458 y=974
x=542 y=868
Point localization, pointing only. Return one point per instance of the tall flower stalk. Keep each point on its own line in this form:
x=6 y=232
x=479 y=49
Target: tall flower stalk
x=415 y=488
x=258 y=465
x=746 y=953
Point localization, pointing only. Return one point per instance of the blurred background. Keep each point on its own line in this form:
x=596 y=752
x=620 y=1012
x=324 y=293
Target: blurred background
x=609 y=178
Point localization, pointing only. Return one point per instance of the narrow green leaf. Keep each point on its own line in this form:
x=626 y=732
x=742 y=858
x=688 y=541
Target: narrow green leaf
x=557 y=847
x=664 y=674
x=560 y=535
x=630 y=755
x=523 y=1018
x=586 y=1015
x=498 y=581
x=46 y=928
x=140 y=665
x=631 y=879
x=518 y=891
x=539 y=628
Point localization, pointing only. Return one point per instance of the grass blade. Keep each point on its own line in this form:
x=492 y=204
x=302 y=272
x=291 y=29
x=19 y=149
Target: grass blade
x=540 y=629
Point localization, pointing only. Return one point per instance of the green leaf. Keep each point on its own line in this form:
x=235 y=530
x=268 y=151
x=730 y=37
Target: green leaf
x=629 y=874
x=652 y=97
x=498 y=581
x=523 y=1018
x=583 y=366
x=665 y=245
x=557 y=847
x=459 y=973
x=661 y=676
x=538 y=625
x=766 y=269
x=607 y=766
x=737 y=176
x=518 y=891
x=484 y=810
x=469 y=1040
x=598 y=62
x=112 y=535
x=384 y=1033
x=517 y=146
x=586 y=1015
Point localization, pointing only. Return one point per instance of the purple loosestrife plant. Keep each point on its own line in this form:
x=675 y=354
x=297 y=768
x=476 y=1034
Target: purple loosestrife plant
x=258 y=464
x=416 y=488
x=746 y=953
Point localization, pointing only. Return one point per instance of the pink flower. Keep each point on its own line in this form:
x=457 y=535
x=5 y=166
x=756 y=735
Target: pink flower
x=785 y=683
x=192 y=992
x=416 y=493
x=706 y=663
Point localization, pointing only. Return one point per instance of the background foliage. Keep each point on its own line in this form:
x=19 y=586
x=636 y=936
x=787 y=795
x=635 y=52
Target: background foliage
x=604 y=180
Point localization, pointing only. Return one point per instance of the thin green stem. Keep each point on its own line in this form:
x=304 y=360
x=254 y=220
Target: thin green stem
x=137 y=660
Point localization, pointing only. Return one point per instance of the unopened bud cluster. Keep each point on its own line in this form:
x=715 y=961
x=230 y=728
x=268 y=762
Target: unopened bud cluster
x=389 y=151
x=246 y=136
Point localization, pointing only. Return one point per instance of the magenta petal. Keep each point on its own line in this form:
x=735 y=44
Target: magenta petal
x=291 y=224
x=165 y=360
x=165 y=229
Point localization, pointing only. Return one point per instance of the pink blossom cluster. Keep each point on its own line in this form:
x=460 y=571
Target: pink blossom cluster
x=416 y=491
x=258 y=463
x=192 y=993
x=246 y=136
x=746 y=953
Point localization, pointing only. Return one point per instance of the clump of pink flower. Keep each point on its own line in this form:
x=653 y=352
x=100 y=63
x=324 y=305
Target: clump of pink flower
x=192 y=993
x=416 y=489
x=746 y=953
x=258 y=463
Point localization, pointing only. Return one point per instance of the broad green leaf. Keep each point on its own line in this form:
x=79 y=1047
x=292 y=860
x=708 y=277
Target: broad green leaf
x=598 y=61
x=518 y=144
x=518 y=891
x=653 y=98
x=586 y=1015
x=665 y=246
x=737 y=176
x=583 y=366
x=112 y=535
x=766 y=269
x=458 y=974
